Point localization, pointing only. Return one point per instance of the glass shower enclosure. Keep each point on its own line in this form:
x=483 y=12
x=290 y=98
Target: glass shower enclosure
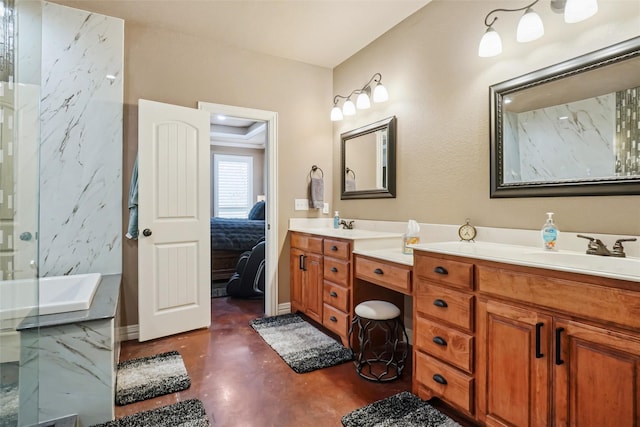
x=20 y=76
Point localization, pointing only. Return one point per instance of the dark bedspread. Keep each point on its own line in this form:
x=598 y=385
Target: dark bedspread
x=232 y=234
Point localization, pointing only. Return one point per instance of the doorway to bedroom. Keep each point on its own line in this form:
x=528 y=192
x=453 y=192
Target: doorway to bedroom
x=243 y=196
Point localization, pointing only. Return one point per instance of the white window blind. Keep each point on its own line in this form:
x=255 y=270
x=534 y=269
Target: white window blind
x=233 y=185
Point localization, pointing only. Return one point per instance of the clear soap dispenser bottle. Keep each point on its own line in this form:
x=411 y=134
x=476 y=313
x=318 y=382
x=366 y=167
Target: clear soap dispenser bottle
x=336 y=220
x=550 y=233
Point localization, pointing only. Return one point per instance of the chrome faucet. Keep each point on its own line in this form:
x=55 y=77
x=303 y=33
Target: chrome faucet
x=346 y=225
x=597 y=247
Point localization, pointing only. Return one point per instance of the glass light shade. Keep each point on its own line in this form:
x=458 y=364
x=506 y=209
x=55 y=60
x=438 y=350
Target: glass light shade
x=530 y=27
x=349 y=108
x=363 y=102
x=336 y=114
x=380 y=93
x=579 y=10
x=491 y=44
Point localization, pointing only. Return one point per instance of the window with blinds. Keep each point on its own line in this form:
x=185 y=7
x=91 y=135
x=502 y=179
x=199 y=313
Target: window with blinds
x=232 y=185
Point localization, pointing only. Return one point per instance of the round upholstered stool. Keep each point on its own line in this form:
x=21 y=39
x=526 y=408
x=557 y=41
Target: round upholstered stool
x=382 y=342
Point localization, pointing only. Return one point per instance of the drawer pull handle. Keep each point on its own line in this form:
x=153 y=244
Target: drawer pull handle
x=301 y=263
x=440 y=341
x=334 y=270
x=439 y=379
x=378 y=271
x=334 y=248
x=559 y=360
x=539 y=326
x=440 y=270
x=440 y=303
x=333 y=319
x=333 y=294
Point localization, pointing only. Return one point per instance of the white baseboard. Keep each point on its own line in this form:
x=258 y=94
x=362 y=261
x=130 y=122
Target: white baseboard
x=284 y=308
x=129 y=332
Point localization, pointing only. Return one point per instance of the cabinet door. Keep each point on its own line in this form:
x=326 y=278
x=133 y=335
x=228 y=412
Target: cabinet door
x=296 y=272
x=596 y=376
x=513 y=365
x=312 y=286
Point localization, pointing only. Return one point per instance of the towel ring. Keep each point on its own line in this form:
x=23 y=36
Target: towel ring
x=315 y=168
x=347 y=170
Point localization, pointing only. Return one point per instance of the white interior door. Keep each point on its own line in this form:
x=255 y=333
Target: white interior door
x=174 y=289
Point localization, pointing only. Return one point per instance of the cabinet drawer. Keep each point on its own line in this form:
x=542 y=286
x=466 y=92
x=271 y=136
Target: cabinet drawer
x=447 y=305
x=336 y=296
x=452 y=273
x=335 y=320
x=392 y=276
x=458 y=389
x=306 y=242
x=336 y=271
x=448 y=345
x=337 y=249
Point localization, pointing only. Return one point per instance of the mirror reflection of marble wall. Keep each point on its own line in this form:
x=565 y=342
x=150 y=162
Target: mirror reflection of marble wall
x=587 y=139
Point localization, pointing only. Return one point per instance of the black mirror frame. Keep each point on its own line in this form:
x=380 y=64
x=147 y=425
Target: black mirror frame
x=390 y=192
x=498 y=189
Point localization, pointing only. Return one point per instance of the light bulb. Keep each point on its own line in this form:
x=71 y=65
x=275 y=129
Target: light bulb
x=530 y=27
x=349 y=108
x=490 y=44
x=363 y=102
x=380 y=93
x=336 y=114
x=579 y=10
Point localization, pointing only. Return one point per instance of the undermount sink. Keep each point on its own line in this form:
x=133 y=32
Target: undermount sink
x=577 y=262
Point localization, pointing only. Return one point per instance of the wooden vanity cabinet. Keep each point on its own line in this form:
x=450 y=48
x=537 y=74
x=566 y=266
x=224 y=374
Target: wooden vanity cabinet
x=443 y=319
x=320 y=271
x=526 y=346
x=556 y=348
x=306 y=273
x=337 y=287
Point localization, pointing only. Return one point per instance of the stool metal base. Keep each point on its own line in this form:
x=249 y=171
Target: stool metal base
x=379 y=362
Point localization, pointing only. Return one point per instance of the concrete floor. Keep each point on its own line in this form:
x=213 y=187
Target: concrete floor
x=244 y=383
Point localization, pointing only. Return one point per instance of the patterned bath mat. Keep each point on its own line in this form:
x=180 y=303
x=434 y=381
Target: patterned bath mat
x=147 y=377
x=302 y=346
x=9 y=405
x=401 y=410
x=188 y=413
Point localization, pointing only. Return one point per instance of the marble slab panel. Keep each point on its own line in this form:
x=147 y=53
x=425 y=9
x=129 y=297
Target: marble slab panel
x=81 y=145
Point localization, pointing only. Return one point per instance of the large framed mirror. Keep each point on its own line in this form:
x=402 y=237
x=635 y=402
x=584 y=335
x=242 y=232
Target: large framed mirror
x=572 y=129
x=369 y=161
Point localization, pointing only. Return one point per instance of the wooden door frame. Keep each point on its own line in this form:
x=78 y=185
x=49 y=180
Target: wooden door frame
x=271 y=154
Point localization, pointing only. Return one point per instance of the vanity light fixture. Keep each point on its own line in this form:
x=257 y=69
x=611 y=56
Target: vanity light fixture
x=530 y=26
x=363 y=100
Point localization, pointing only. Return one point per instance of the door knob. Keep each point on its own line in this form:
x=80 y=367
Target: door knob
x=26 y=236
x=146 y=232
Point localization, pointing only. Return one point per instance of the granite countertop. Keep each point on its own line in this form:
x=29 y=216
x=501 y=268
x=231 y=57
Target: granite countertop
x=529 y=256
x=103 y=306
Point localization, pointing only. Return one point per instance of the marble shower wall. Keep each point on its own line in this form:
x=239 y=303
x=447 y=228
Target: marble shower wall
x=562 y=142
x=81 y=145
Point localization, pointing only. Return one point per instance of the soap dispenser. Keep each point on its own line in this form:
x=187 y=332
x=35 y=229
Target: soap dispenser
x=550 y=233
x=336 y=220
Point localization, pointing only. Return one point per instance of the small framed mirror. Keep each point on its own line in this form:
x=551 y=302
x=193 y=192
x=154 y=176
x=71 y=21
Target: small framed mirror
x=369 y=161
x=571 y=129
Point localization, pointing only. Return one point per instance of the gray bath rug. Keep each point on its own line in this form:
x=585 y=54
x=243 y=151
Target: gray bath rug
x=9 y=405
x=302 y=346
x=188 y=413
x=401 y=410
x=219 y=289
x=147 y=377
